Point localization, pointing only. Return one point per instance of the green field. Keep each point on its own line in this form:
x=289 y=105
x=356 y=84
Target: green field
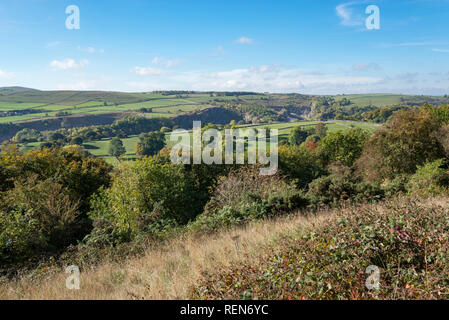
x=100 y=148
x=74 y=102
x=86 y=102
x=378 y=100
x=168 y=105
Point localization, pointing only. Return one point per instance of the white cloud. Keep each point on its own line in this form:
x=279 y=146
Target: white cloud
x=80 y=85
x=6 y=75
x=411 y=44
x=68 y=64
x=218 y=51
x=347 y=16
x=52 y=44
x=244 y=40
x=165 y=62
x=148 y=71
x=366 y=67
x=91 y=50
x=263 y=78
x=441 y=50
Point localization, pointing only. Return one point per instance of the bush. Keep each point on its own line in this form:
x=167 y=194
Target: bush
x=340 y=186
x=343 y=146
x=147 y=194
x=51 y=190
x=245 y=195
x=407 y=241
x=408 y=140
x=396 y=186
x=49 y=219
x=300 y=164
x=19 y=236
x=429 y=179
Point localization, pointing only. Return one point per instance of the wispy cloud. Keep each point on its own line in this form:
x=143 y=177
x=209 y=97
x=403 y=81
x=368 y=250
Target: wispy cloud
x=275 y=78
x=80 y=85
x=244 y=40
x=262 y=78
x=218 y=51
x=68 y=64
x=441 y=50
x=53 y=44
x=5 y=75
x=347 y=15
x=168 y=63
x=153 y=71
x=148 y=71
x=366 y=66
x=90 y=50
x=411 y=44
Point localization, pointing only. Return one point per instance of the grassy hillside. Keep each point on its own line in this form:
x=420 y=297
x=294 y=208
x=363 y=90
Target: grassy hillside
x=294 y=257
x=100 y=148
x=48 y=103
x=35 y=104
x=379 y=100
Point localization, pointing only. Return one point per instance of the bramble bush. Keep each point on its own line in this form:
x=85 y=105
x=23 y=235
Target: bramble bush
x=429 y=179
x=342 y=185
x=245 y=195
x=407 y=241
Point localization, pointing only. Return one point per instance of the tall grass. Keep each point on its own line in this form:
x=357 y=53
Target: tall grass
x=174 y=269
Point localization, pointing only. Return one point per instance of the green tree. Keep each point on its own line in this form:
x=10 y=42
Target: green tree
x=343 y=146
x=44 y=199
x=27 y=135
x=408 y=140
x=300 y=164
x=150 y=144
x=146 y=193
x=321 y=130
x=116 y=148
x=77 y=141
x=297 y=136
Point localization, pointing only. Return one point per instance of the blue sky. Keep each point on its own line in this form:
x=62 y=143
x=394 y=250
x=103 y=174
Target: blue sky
x=305 y=46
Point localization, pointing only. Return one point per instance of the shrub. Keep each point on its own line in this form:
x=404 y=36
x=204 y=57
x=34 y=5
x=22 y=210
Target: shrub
x=297 y=136
x=429 y=179
x=300 y=164
x=245 y=195
x=146 y=193
x=407 y=241
x=81 y=175
x=343 y=146
x=340 y=186
x=48 y=213
x=396 y=186
x=51 y=189
x=19 y=236
x=406 y=141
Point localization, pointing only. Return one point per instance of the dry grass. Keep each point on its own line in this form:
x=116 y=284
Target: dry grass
x=164 y=273
x=169 y=272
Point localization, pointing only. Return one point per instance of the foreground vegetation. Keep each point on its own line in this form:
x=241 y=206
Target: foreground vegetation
x=353 y=198
x=323 y=255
